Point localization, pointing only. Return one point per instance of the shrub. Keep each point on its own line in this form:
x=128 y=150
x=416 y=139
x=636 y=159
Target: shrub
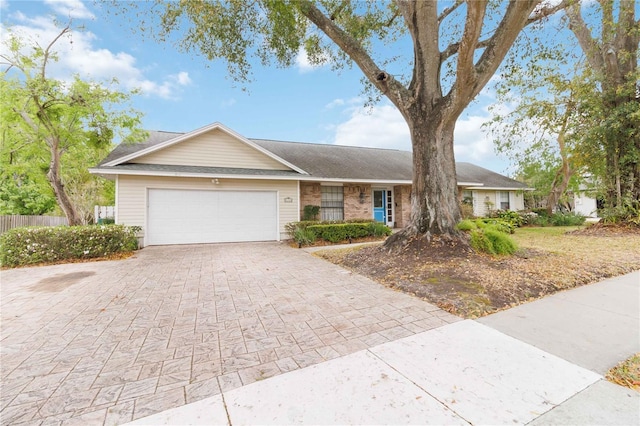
x=335 y=231
x=331 y=233
x=29 y=245
x=566 y=219
x=499 y=224
x=515 y=219
x=310 y=212
x=530 y=218
x=377 y=229
x=541 y=212
x=466 y=210
x=628 y=213
x=500 y=242
x=466 y=225
x=480 y=242
x=491 y=239
x=291 y=227
x=304 y=236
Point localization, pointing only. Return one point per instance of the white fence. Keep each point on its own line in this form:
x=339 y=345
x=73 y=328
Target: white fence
x=17 y=221
x=104 y=212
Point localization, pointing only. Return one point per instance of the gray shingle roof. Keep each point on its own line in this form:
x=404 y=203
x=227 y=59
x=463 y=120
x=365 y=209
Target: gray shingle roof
x=124 y=149
x=343 y=162
x=468 y=173
x=322 y=161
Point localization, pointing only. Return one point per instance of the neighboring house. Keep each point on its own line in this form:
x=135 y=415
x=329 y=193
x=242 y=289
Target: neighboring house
x=583 y=203
x=214 y=185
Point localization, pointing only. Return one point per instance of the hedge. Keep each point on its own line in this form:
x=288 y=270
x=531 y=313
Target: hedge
x=37 y=244
x=334 y=232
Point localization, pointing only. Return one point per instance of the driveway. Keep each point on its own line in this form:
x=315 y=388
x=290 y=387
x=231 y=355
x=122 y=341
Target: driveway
x=109 y=342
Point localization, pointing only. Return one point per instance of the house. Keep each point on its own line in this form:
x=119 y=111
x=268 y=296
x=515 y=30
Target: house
x=215 y=185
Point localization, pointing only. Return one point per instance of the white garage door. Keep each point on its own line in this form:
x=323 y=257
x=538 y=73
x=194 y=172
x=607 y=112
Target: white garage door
x=191 y=217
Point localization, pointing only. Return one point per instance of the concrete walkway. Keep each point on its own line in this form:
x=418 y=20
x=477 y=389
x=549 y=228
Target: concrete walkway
x=462 y=373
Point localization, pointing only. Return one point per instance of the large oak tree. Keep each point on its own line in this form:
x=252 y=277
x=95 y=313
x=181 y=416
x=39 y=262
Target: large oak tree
x=456 y=49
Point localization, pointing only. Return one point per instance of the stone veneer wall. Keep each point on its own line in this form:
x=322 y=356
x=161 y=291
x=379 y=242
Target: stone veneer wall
x=310 y=194
x=402 y=198
x=354 y=208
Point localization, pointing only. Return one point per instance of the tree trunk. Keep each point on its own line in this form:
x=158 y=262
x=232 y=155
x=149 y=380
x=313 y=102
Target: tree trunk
x=561 y=179
x=559 y=185
x=53 y=175
x=434 y=201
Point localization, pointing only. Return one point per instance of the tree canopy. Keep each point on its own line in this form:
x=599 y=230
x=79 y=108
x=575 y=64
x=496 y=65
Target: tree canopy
x=454 y=50
x=56 y=129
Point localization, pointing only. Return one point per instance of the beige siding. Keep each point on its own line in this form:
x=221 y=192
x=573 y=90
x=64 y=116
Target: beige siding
x=483 y=201
x=212 y=149
x=131 y=196
x=480 y=198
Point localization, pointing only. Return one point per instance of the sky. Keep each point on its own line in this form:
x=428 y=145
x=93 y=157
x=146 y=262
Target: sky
x=181 y=92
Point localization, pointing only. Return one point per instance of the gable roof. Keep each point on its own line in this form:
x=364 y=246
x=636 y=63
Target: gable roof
x=165 y=139
x=467 y=172
x=309 y=161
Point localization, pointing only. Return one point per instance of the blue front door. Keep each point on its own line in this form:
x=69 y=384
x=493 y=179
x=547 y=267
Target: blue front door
x=379 y=205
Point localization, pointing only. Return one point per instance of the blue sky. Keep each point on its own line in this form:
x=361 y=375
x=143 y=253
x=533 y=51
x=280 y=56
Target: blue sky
x=182 y=92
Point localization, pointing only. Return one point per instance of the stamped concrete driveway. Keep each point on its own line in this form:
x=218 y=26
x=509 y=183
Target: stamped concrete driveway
x=109 y=342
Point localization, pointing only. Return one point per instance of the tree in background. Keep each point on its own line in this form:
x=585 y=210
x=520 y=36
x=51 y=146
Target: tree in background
x=539 y=122
x=611 y=48
x=56 y=128
x=454 y=51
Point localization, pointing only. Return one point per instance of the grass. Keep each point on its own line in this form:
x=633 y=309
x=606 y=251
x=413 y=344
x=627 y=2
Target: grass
x=627 y=373
x=549 y=259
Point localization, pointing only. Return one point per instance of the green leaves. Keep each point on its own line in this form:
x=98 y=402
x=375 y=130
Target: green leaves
x=63 y=127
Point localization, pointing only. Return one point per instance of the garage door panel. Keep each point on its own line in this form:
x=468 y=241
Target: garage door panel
x=191 y=217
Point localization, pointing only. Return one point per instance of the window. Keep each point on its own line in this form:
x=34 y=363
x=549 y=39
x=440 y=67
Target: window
x=467 y=197
x=504 y=200
x=332 y=203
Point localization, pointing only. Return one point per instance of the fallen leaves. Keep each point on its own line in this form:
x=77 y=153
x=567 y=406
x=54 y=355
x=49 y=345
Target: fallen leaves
x=549 y=260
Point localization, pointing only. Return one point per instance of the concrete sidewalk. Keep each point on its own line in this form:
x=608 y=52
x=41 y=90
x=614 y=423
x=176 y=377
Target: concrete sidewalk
x=594 y=326
x=466 y=372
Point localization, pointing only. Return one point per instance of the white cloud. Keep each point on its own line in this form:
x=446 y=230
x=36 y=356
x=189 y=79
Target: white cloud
x=381 y=126
x=472 y=143
x=70 y=8
x=334 y=103
x=78 y=54
x=302 y=62
x=183 y=78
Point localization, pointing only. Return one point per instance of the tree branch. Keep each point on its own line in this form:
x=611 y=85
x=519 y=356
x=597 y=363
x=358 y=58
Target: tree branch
x=546 y=9
x=385 y=82
x=589 y=45
x=447 y=11
x=466 y=77
x=452 y=49
x=47 y=51
x=421 y=18
x=514 y=19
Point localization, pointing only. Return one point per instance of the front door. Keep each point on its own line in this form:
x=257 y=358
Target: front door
x=379 y=205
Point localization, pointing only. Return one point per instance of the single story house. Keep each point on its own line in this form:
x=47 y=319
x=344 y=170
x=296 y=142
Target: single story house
x=215 y=185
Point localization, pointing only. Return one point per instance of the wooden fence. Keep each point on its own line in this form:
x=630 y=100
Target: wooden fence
x=17 y=221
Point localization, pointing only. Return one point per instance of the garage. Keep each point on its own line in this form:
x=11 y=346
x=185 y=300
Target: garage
x=177 y=216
